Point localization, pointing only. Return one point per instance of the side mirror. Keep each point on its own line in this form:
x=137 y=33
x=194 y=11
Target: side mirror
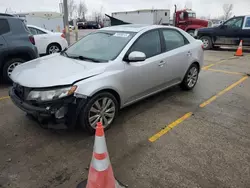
x=136 y=56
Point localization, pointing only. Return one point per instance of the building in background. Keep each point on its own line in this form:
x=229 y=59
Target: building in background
x=52 y=21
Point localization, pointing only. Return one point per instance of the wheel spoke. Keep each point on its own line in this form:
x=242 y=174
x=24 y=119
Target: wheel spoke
x=112 y=109
x=93 y=118
x=97 y=104
x=104 y=102
x=105 y=121
x=95 y=122
x=107 y=105
x=110 y=115
x=93 y=109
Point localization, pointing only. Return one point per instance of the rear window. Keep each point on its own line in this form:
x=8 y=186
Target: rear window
x=25 y=26
x=4 y=26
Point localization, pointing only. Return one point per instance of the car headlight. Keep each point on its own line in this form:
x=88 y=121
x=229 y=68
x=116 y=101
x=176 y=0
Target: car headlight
x=51 y=94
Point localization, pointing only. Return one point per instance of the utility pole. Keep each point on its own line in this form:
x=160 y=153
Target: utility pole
x=66 y=20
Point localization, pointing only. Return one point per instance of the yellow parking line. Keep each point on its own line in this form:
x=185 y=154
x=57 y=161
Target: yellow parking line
x=223 y=71
x=2 y=98
x=223 y=91
x=207 y=67
x=169 y=127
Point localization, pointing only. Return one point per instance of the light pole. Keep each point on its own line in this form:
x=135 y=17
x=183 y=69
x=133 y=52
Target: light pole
x=66 y=20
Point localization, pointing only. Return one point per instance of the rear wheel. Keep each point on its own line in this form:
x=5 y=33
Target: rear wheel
x=102 y=107
x=53 y=48
x=207 y=42
x=9 y=66
x=190 y=78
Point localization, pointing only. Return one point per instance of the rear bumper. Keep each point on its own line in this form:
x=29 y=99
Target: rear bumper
x=51 y=115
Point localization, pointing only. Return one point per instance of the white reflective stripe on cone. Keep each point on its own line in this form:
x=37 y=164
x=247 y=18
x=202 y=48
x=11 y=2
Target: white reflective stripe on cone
x=100 y=165
x=100 y=145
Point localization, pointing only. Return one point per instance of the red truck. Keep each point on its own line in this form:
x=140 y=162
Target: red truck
x=186 y=20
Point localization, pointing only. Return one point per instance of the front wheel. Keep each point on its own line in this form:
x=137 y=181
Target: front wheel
x=102 y=107
x=190 y=78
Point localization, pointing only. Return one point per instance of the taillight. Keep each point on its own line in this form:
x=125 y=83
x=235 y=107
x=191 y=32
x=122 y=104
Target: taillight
x=32 y=40
x=202 y=46
x=62 y=35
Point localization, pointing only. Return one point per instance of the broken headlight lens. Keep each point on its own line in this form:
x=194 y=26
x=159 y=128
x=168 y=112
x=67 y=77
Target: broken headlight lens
x=51 y=94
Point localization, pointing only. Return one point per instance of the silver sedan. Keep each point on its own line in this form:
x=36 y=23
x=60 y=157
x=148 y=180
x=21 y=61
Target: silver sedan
x=105 y=71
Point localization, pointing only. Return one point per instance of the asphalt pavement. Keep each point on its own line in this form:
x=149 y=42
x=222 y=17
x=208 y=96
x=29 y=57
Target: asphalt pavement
x=176 y=138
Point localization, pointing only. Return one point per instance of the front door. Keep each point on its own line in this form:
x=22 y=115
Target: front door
x=146 y=77
x=229 y=33
x=246 y=31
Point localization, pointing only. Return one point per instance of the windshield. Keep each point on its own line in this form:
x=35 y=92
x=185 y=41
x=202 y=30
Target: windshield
x=101 y=45
x=191 y=14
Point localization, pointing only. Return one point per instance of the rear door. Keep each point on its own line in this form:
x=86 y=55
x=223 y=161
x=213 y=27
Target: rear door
x=4 y=29
x=177 y=55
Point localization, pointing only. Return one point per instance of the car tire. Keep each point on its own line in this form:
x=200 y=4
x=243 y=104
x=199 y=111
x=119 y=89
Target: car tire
x=190 y=78
x=207 y=42
x=86 y=113
x=9 y=66
x=53 y=48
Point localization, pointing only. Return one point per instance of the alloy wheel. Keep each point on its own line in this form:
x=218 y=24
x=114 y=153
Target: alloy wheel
x=192 y=77
x=53 y=49
x=103 y=110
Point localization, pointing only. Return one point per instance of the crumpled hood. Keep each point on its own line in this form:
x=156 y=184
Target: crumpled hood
x=54 y=70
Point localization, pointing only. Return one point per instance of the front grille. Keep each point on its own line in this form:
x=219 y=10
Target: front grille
x=21 y=91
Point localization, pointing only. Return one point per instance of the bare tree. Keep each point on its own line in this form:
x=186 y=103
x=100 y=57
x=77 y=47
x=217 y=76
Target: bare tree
x=228 y=10
x=98 y=15
x=71 y=8
x=81 y=10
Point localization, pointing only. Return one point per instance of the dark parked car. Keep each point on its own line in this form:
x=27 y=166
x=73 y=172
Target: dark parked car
x=17 y=45
x=91 y=25
x=229 y=33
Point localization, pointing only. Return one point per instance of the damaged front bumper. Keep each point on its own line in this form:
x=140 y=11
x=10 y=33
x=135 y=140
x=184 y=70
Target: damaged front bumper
x=58 y=114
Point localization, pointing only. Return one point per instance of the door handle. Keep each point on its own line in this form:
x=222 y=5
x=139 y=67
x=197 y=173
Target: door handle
x=189 y=53
x=161 y=63
x=1 y=44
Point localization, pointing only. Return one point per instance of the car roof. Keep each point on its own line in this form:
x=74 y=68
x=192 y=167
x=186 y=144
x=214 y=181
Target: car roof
x=133 y=27
x=36 y=27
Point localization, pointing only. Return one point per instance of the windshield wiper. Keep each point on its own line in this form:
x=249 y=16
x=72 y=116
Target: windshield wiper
x=85 y=58
x=64 y=52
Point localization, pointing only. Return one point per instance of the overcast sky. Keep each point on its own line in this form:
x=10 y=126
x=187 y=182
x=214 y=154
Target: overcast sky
x=202 y=7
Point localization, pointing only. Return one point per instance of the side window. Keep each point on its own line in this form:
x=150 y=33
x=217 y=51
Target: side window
x=39 y=32
x=234 y=23
x=4 y=26
x=247 y=24
x=148 y=43
x=173 y=39
x=33 y=31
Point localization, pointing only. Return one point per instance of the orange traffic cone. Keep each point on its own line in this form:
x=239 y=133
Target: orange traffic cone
x=239 y=50
x=100 y=172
